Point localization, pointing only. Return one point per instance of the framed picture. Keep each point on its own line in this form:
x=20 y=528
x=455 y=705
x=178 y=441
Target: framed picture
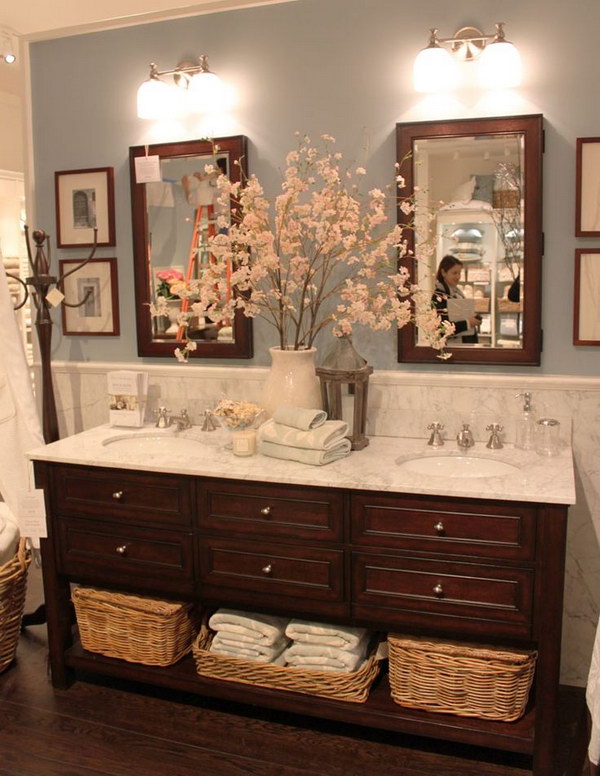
x=586 y=318
x=587 y=202
x=94 y=290
x=84 y=199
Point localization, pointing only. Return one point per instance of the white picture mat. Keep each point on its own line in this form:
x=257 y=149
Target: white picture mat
x=90 y=317
x=67 y=184
x=590 y=187
x=589 y=297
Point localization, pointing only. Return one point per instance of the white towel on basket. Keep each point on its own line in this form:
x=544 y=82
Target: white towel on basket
x=259 y=653
x=320 y=657
x=346 y=638
x=250 y=627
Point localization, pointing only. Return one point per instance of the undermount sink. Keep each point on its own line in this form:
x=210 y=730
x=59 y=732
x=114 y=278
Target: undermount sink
x=457 y=466
x=154 y=442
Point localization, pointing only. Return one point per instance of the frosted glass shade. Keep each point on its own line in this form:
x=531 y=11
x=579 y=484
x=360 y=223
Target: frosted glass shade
x=434 y=70
x=205 y=93
x=158 y=100
x=499 y=66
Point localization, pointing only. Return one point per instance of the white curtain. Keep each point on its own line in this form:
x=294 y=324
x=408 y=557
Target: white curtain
x=20 y=428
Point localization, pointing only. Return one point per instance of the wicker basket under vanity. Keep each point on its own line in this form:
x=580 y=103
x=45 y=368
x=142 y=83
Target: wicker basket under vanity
x=13 y=587
x=468 y=680
x=352 y=686
x=134 y=628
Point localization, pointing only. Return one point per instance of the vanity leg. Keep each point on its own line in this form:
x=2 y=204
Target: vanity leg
x=57 y=596
x=550 y=604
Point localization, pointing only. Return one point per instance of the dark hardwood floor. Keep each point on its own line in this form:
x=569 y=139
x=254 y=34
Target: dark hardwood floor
x=103 y=727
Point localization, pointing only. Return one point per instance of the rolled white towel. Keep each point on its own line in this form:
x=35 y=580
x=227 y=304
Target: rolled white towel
x=300 y=418
x=325 y=437
x=249 y=626
x=343 y=637
x=246 y=649
x=302 y=455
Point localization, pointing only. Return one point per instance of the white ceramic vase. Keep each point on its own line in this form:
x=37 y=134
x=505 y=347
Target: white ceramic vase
x=291 y=380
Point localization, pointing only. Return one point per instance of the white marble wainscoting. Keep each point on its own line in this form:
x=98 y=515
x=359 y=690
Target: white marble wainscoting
x=403 y=404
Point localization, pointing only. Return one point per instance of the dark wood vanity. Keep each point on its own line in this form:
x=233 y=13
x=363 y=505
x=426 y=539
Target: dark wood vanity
x=478 y=570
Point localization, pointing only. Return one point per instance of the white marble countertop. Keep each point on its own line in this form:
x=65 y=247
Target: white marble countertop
x=537 y=479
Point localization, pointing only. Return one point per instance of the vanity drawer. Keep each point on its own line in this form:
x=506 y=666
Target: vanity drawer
x=110 y=554
x=472 y=597
x=502 y=530
x=276 y=571
x=288 y=512
x=130 y=497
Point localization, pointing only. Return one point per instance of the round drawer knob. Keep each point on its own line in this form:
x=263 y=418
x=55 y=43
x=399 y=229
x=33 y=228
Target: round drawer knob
x=266 y=511
x=438 y=590
x=122 y=549
x=117 y=495
x=439 y=527
x=267 y=569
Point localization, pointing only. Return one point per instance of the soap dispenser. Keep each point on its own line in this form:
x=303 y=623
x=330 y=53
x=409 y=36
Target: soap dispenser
x=525 y=431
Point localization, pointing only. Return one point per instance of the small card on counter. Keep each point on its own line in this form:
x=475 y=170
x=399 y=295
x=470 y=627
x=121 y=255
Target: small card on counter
x=127 y=394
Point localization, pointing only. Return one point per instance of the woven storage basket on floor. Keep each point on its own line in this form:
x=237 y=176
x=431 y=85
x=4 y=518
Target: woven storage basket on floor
x=13 y=587
x=350 y=686
x=133 y=628
x=463 y=679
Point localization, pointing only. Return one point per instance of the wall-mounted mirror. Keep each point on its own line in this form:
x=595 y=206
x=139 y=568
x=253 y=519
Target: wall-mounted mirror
x=478 y=202
x=173 y=220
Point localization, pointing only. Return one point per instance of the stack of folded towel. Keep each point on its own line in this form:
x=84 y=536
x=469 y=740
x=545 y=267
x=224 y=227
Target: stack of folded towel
x=303 y=435
x=248 y=635
x=325 y=647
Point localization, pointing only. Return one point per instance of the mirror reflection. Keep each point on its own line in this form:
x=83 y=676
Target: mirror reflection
x=174 y=219
x=477 y=242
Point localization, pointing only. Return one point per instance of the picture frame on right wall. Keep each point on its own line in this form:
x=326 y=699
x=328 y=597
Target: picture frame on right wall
x=586 y=309
x=587 y=197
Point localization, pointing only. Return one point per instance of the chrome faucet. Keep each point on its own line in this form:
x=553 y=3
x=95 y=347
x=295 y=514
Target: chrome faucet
x=209 y=423
x=494 y=442
x=163 y=419
x=436 y=439
x=464 y=438
x=182 y=421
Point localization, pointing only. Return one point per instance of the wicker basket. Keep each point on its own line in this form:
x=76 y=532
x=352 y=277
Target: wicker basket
x=13 y=586
x=350 y=686
x=134 y=628
x=505 y=198
x=462 y=679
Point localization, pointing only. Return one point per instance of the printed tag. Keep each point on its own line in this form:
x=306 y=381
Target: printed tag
x=147 y=169
x=54 y=297
x=32 y=514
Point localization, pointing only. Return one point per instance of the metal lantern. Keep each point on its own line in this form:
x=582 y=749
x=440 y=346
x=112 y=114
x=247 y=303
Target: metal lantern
x=344 y=366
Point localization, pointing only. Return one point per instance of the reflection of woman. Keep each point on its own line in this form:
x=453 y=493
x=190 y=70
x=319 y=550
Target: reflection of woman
x=200 y=190
x=446 y=287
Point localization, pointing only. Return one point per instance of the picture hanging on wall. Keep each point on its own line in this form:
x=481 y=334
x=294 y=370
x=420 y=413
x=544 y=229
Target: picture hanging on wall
x=587 y=202
x=91 y=304
x=586 y=319
x=84 y=199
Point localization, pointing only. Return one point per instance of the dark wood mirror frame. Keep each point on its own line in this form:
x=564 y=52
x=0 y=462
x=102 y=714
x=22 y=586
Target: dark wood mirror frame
x=241 y=347
x=531 y=127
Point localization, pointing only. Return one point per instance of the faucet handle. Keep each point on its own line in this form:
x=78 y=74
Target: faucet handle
x=494 y=442
x=436 y=439
x=210 y=422
x=163 y=419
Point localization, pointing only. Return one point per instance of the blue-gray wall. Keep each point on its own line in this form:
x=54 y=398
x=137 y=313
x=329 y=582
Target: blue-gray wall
x=338 y=66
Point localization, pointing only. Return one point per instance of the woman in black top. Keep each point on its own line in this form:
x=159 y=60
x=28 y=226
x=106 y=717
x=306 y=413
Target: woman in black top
x=446 y=287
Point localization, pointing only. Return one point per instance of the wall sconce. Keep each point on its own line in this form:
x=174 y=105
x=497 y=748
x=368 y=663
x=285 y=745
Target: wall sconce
x=7 y=48
x=195 y=89
x=499 y=62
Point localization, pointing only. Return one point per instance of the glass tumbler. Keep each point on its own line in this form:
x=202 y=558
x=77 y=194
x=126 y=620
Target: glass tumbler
x=547 y=436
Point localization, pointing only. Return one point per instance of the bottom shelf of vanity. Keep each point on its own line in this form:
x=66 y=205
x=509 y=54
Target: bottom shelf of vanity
x=379 y=711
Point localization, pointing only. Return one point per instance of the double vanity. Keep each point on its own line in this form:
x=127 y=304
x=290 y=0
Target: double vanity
x=398 y=537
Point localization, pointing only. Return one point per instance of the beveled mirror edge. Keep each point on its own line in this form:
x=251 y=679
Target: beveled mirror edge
x=242 y=345
x=531 y=126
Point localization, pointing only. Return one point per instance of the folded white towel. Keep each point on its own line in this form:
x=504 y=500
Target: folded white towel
x=325 y=437
x=249 y=626
x=302 y=455
x=343 y=637
x=244 y=649
x=313 y=667
x=220 y=649
x=298 y=417
x=310 y=654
